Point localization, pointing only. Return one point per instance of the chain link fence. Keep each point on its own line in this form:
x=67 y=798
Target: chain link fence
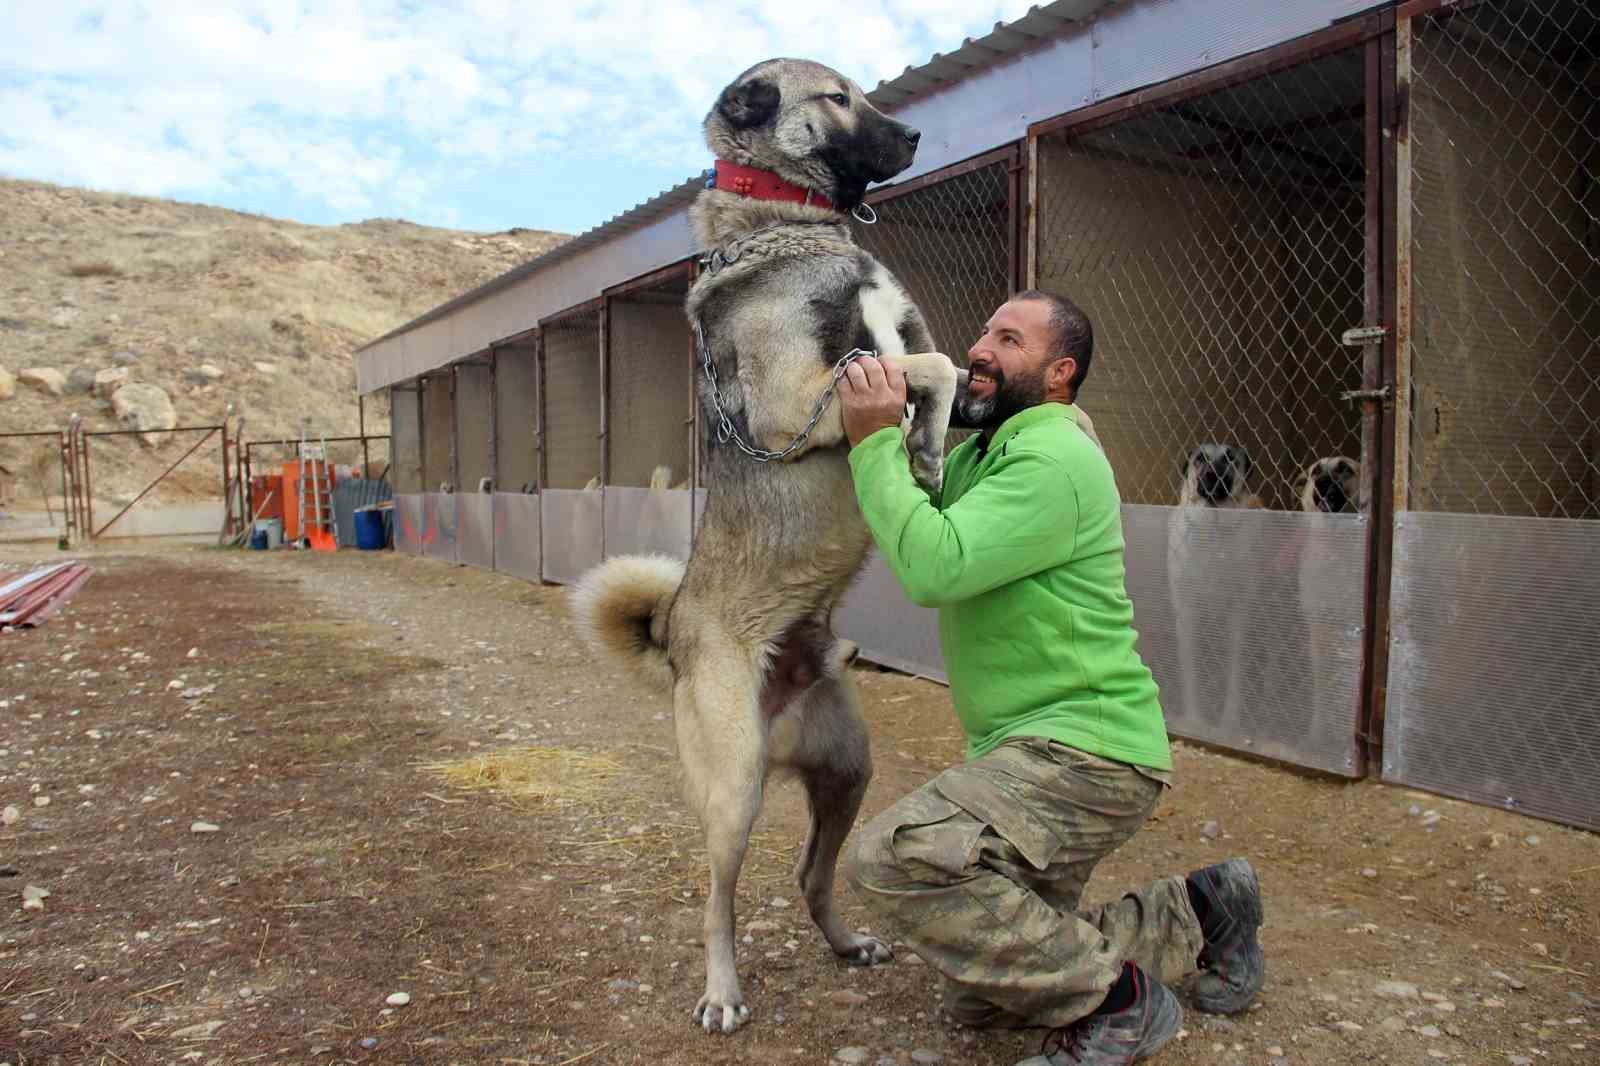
x=438 y=426
x=950 y=243
x=1494 y=656
x=650 y=384
x=516 y=418
x=1506 y=261
x=474 y=407
x=572 y=401
x=1217 y=245
x=405 y=423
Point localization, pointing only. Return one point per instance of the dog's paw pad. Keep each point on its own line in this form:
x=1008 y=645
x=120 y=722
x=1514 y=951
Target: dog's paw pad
x=719 y=1017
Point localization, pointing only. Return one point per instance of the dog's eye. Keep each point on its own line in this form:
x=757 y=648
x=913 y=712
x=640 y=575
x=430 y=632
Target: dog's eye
x=839 y=98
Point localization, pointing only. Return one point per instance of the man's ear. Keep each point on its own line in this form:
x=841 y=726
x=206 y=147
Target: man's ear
x=1060 y=374
x=748 y=103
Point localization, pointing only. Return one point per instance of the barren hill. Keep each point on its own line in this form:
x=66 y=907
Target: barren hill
x=93 y=280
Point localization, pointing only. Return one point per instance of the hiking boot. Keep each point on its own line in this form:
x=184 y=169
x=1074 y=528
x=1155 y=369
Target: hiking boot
x=1115 y=1038
x=1232 y=970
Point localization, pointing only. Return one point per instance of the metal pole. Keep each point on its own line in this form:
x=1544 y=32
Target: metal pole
x=543 y=471
x=241 y=487
x=605 y=397
x=66 y=502
x=88 y=485
x=494 y=420
x=361 y=423
x=227 y=496
x=455 y=437
x=249 y=482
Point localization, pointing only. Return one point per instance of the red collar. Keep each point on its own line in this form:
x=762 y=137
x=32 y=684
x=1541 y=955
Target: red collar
x=765 y=185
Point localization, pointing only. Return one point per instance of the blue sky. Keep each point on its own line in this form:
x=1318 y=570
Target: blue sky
x=479 y=114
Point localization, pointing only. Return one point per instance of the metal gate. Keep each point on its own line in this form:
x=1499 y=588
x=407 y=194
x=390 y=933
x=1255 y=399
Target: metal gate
x=1494 y=665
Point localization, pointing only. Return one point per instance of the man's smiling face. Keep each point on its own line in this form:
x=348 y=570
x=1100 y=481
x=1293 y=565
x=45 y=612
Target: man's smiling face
x=1007 y=364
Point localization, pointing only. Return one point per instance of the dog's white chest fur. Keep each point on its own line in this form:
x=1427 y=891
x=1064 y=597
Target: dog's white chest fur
x=883 y=307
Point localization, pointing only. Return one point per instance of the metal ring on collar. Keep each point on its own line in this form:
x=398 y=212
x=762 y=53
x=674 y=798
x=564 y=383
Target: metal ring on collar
x=868 y=219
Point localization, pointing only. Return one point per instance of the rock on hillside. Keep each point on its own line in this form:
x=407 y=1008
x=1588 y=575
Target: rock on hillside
x=197 y=301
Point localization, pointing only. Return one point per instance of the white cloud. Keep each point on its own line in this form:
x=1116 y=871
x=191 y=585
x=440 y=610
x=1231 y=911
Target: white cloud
x=365 y=104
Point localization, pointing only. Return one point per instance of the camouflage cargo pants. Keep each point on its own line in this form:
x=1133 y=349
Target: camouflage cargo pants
x=981 y=871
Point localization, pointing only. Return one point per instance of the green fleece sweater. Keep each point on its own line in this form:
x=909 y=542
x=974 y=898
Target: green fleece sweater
x=1022 y=554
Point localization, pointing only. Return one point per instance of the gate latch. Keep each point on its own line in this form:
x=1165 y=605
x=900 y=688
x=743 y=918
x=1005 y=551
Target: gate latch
x=1361 y=395
x=1356 y=336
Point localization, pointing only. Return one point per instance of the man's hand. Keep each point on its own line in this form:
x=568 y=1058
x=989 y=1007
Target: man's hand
x=872 y=396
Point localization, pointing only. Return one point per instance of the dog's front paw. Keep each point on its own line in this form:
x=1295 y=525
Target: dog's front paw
x=866 y=951
x=721 y=1013
x=927 y=466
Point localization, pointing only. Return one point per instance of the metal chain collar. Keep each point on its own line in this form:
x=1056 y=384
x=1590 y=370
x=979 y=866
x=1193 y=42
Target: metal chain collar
x=711 y=263
x=725 y=429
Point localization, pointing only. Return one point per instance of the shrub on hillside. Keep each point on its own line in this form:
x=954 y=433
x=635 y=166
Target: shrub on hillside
x=95 y=268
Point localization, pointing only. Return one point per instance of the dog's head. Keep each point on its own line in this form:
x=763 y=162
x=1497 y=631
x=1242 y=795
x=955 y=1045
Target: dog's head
x=1332 y=485
x=1217 y=472
x=811 y=126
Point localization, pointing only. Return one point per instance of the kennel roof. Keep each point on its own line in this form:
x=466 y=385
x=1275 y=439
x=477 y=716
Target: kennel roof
x=1054 y=59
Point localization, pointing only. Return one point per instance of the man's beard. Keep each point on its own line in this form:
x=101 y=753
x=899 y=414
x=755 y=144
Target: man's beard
x=1009 y=397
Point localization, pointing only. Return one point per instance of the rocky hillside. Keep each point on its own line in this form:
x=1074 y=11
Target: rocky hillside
x=208 y=307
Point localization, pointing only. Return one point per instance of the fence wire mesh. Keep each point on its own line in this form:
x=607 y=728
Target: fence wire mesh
x=474 y=404
x=651 y=386
x=1217 y=244
x=516 y=446
x=438 y=429
x=572 y=401
x=949 y=244
x=1505 y=120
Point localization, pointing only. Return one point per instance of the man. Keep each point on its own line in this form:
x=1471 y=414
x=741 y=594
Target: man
x=981 y=870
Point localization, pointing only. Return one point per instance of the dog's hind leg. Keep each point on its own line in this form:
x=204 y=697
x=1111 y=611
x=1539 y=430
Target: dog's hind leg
x=721 y=747
x=833 y=758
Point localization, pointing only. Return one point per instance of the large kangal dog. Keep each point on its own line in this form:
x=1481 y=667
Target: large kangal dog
x=741 y=633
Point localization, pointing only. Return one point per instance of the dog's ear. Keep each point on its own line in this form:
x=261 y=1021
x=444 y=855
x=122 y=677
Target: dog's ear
x=748 y=103
x=1187 y=466
x=1241 y=459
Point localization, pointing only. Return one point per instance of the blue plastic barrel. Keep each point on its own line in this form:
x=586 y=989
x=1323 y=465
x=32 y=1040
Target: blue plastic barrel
x=258 y=540
x=369 y=529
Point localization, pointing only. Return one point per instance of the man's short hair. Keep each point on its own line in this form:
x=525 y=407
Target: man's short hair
x=1071 y=332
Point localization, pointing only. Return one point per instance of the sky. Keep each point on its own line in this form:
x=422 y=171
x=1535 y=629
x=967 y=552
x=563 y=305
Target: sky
x=478 y=114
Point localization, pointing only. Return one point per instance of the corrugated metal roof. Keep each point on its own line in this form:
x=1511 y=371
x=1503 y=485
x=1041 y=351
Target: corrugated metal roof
x=1007 y=38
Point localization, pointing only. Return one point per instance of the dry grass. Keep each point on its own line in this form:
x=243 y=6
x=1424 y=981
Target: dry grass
x=534 y=775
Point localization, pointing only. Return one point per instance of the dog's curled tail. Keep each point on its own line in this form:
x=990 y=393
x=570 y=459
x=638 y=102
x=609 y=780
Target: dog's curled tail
x=621 y=608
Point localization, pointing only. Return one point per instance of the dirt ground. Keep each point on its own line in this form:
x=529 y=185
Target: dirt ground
x=304 y=704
